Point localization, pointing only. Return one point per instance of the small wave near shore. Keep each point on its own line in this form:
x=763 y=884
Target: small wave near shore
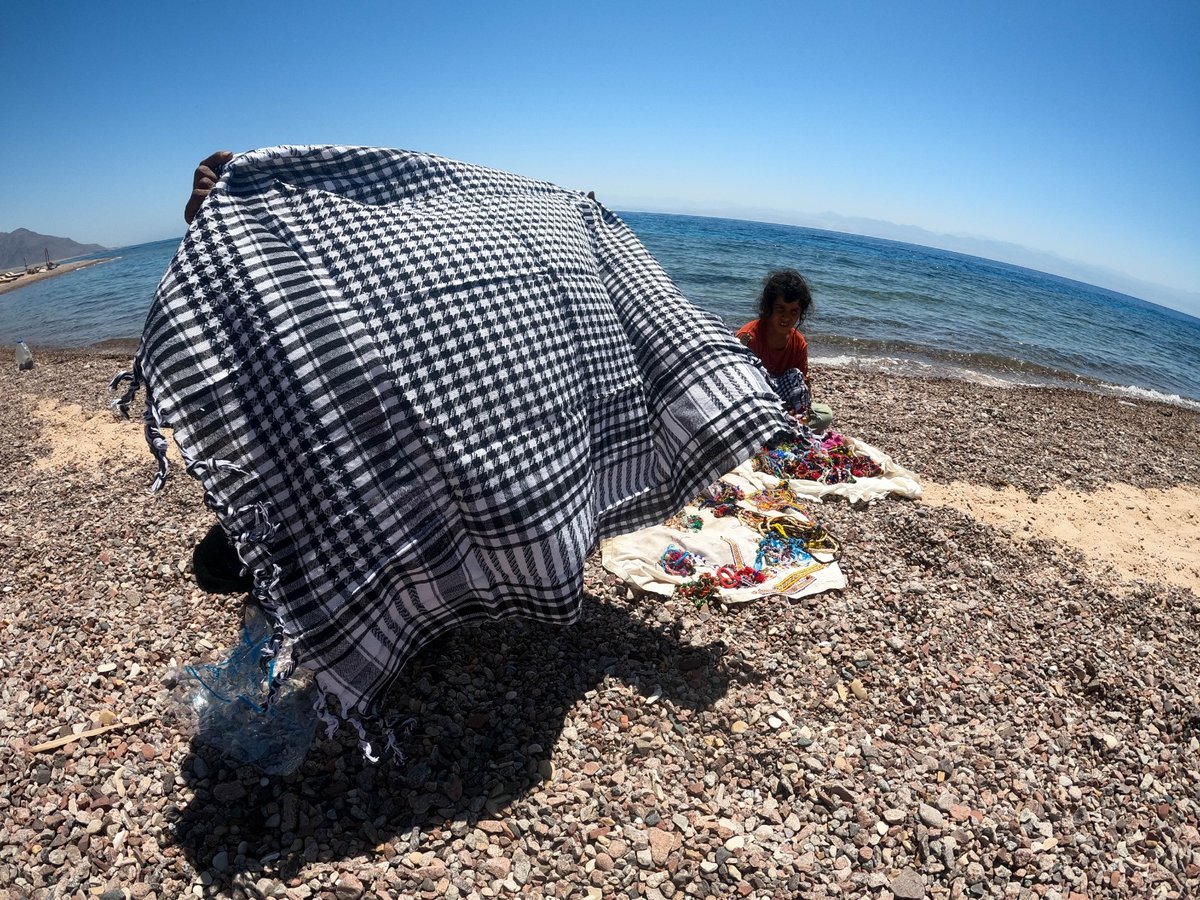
x=982 y=369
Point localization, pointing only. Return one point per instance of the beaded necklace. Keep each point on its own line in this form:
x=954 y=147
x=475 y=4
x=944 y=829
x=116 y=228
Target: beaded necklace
x=701 y=591
x=815 y=535
x=776 y=552
x=721 y=498
x=729 y=577
x=679 y=562
x=776 y=498
x=830 y=460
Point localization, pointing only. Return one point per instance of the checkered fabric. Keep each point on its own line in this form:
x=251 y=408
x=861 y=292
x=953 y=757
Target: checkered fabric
x=418 y=392
x=793 y=390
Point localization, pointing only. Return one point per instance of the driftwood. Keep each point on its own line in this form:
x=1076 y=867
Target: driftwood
x=91 y=732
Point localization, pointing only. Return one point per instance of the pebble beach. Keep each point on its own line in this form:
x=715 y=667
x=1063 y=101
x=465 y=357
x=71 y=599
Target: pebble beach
x=1004 y=702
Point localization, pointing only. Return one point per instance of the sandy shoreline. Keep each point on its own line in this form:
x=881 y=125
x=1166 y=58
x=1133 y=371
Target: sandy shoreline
x=1025 y=637
x=60 y=269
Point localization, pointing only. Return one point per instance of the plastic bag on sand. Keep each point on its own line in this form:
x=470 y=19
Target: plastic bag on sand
x=226 y=705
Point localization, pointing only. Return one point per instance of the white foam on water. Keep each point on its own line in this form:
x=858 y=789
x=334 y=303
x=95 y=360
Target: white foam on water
x=1157 y=396
x=837 y=362
x=918 y=368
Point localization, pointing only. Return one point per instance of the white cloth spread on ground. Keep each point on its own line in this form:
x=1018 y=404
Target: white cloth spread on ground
x=895 y=480
x=635 y=559
x=418 y=392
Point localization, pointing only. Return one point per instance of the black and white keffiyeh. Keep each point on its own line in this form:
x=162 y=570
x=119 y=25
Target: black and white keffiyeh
x=418 y=392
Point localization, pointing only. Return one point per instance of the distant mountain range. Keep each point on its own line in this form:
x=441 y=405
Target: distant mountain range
x=18 y=246
x=1004 y=251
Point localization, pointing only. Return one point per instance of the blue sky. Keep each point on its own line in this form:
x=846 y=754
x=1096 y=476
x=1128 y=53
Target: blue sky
x=1052 y=134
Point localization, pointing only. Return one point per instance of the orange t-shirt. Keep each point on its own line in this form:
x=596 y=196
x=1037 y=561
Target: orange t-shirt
x=794 y=354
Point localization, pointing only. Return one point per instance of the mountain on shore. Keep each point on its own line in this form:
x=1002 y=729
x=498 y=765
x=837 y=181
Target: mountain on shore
x=18 y=246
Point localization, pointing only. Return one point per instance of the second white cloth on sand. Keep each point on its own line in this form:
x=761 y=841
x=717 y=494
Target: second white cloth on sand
x=418 y=392
x=894 y=480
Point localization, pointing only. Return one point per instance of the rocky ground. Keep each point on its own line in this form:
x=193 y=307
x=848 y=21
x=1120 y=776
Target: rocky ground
x=974 y=716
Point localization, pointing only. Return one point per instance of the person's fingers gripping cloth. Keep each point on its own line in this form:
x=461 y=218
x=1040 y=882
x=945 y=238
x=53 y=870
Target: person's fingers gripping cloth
x=418 y=392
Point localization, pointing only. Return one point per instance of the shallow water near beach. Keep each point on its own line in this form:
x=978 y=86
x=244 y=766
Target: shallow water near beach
x=880 y=305
x=104 y=302
x=915 y=310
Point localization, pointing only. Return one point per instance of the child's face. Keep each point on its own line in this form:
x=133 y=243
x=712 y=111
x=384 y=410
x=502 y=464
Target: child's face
x=785 y=314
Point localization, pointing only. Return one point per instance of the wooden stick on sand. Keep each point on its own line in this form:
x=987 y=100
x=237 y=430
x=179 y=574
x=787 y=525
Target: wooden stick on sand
x=92 y=732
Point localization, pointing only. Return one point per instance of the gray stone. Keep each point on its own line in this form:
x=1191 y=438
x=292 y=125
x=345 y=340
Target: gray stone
x=347 y=887
x=521 y=868
x=908 y=885
x=229 y=792
x=931 y=816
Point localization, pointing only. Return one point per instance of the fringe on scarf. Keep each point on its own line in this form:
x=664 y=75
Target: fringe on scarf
x=277 y=654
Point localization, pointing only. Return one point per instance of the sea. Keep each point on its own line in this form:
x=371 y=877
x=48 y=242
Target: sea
x=879 y=305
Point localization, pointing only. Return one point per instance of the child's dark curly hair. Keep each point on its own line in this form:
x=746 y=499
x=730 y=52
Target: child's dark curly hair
x=787 y=285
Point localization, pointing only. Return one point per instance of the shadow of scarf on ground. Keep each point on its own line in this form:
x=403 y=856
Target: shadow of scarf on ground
x=490 y=706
